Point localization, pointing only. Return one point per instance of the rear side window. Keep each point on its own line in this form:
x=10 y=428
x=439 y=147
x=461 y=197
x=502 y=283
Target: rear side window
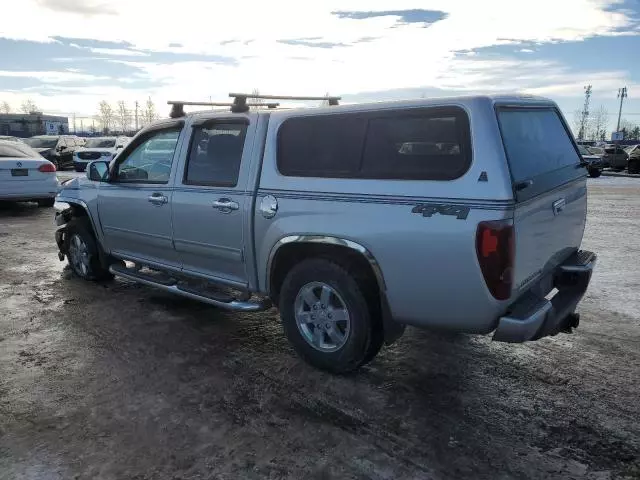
x=537 y=144
x=215 y=154
x=424 y=144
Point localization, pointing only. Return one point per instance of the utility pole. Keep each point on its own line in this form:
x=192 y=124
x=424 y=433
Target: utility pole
x=74 y=123
x=81 y=126
x=136 y=115
x=622 y=94
x=585 y=112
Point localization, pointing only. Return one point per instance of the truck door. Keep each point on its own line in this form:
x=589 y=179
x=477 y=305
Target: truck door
x=212 y=200
x=135 y=206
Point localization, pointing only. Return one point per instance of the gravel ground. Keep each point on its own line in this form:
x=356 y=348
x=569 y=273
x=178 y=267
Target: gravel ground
x=120 y=381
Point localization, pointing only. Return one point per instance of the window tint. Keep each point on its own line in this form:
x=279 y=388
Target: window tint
x=150 y=165
x=536 y=142
x=215 y=154
x=425 y=144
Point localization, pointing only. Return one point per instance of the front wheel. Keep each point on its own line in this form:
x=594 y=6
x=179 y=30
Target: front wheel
x=327 y=317
x=595 y=172
x=82 y=251
x=634 y=166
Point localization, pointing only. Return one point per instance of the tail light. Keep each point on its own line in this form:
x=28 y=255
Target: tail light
x=47 y=168
x=495 y=247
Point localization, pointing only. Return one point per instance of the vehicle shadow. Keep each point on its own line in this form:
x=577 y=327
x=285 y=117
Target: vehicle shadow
x=19 y=209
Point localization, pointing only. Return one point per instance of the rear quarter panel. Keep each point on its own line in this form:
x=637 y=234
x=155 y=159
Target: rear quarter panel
x=428 y=260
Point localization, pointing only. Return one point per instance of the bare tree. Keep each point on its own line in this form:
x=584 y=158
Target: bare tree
x=5 y=107
x=259 y=101
x=599 y=122
x=149 y=113
x=124 y=119
x=105 y=116
x=635 y=133
x=29 y=106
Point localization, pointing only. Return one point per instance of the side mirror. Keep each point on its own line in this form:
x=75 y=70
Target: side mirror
x=98 y=171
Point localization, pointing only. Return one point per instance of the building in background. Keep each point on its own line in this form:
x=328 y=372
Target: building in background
x=35 y=123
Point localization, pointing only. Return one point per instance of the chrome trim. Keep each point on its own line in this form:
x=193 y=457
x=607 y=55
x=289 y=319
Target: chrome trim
x=235 y=305
x=327 y=240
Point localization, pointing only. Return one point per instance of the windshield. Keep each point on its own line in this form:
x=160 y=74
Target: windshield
x=17 y=150
x=100 y=143
x=41 y=142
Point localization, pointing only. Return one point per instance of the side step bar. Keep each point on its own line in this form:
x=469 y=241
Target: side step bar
x=172 y=286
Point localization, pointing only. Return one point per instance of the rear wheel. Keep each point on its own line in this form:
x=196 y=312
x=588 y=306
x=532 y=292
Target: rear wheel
x=82 y=251
x=327 y=317
x=47 y=202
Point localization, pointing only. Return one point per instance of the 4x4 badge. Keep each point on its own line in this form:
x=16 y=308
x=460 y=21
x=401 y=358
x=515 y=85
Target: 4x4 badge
x=428 y=209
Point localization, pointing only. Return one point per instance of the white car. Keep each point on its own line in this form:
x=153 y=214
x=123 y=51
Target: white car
x=98 y=148
x=25 y=175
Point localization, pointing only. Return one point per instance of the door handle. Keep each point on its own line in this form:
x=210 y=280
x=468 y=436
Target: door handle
x=225 y=205
x=157 y=199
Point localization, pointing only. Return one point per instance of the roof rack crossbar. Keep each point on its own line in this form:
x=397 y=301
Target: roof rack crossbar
x=240 y=99
x=177 y=106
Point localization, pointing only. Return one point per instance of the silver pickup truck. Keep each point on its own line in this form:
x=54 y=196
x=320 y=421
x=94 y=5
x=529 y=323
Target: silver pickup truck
x=464 y=214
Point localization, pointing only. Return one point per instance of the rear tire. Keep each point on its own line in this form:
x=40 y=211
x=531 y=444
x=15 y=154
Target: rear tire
x=82 y=251
x=310 y=316
x=48 y=202
x=595 y=172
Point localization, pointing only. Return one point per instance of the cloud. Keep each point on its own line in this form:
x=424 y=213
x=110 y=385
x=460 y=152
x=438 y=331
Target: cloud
x=312 y=42
x=424 y=17
x=78 y=7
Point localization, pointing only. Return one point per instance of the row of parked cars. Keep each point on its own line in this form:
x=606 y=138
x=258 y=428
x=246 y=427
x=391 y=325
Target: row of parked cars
x=28 y=166
x=71 y=151
x=616 y=157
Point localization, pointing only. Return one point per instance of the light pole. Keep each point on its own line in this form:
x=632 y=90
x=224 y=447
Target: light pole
x=622 y=94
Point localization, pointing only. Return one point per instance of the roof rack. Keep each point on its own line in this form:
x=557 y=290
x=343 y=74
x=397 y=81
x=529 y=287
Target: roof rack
x=240 y=104
x=177 y=106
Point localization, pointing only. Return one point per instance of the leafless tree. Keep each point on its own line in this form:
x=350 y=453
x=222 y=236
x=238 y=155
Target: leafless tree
x=105 y=116
x=149 y=113
x=29 y=106
x=124 y=119
x=5 y=107
x=599 y=123
x=259 y=101
x=627 y=127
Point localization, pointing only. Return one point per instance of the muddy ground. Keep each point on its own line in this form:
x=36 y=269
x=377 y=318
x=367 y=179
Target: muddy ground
x=118 y=381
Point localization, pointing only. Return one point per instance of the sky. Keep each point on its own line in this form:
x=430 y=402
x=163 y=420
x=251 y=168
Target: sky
x=68 y=55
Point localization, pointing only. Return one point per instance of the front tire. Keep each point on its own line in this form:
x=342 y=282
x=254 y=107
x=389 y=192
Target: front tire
x=328 y=318
x=595 y=172
x=634 y=166
x=82 y=251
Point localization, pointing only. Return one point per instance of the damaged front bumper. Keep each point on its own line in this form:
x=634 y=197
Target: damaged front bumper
x=62 y=217
x=533 y=316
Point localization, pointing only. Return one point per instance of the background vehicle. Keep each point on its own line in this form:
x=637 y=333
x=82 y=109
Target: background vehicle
x=99 y=148
x=615 y=157
x=595 y=162
x=25 y=175
x=354 y=220
x=11 y=139
x=58 y=149
x=633 y=153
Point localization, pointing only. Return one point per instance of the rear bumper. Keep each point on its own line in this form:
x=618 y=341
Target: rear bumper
x=533 y=316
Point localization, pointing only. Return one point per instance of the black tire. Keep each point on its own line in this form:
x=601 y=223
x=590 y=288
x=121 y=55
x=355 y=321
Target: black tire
x=365 y=336
x=80 y=226
x=595 y=172
x=634 y=166
x=47 y=202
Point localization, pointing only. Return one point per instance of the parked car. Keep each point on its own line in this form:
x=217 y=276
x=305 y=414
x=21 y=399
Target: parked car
x=633 y=152
x=25 y=176
x=595 y=164
x=10 y=138
x=98 y=148
x=353 y=220
x=615 y=157
x=58 y=149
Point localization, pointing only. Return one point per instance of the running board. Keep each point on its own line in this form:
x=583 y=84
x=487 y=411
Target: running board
x=171 y=285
